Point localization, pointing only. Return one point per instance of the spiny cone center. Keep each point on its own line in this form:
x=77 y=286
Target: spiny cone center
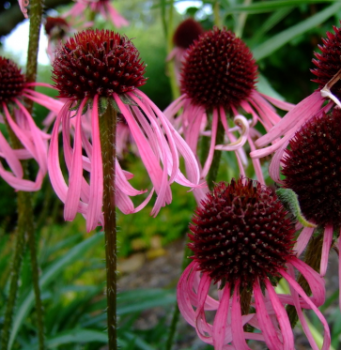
x=219 y=70
x=312 y=168
x=328 y=62
x=12 y=81
x=186 y=32
x=97 y=62
x=241 y=232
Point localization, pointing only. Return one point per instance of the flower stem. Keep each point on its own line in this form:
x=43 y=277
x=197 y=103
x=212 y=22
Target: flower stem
x=13 y=289
x=313 y=259
x=108 y=147
x=36 y=13
x=217 y=19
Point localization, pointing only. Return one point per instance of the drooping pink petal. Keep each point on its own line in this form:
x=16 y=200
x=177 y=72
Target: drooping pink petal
x=266 y=325
x=75 y=171
x=44 y=100
x=238 y=337
x=282 y=317
x=23 y=4
x=55 y=173
x=209 y=158
x=305 y=109
x=285 y=106
x=303 y=239
x=220 y=319
x=327 y=242
x=96 y=174
x=296 y=290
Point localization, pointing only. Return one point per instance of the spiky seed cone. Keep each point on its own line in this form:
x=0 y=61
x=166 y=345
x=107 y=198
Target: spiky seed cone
x=241 y=232
x=186 y=32
x=312 y=168
x=219 y=70
x=97 y=62
x=12 y=81
x=328 y=62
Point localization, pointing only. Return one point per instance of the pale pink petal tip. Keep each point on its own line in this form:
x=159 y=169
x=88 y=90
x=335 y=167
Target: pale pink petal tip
x=23 y=7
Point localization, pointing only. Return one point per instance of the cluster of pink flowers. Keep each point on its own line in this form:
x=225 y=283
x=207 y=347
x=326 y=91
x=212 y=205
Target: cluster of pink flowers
x=243 y=239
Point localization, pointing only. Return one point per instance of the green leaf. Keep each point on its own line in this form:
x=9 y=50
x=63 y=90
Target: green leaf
x=139 y=342
x=49 y=275
x=278 y=40
x=139 y=300
x=269 y=6
x=289 y=199
x=77 y=336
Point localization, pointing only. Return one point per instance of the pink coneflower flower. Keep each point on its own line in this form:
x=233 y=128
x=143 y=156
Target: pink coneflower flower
x=218 y=78
x=91 y=70
x=59 y=29
x=13 y=91
x=184 y=35
x=312 y=169
x=242 y=241
x=327 y=71
x=99 y=6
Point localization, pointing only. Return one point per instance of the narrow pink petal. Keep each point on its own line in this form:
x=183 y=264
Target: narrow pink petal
x=55 y=173
x=285 y=106
x=209 y=159
x=314 y=279
x=20 y=184
x=157 y=175
x=266 y=111
x=11 y=157
x=307 y=107
x=123 y=184
x=220 y=319
x=118 y=20
x=149 y=109
x=44 y=100
x=282 y=317
x=204 y=330
x=327 y=242
x=183 y=298
x=266 y=325
x=174 y=107
x=303 y=240
x=22 y=136
x=39 y=145
x=75 y=173
x=296 y=288
x=238 y=337
x=23 y=7
x=96 y=175
x=256 y=163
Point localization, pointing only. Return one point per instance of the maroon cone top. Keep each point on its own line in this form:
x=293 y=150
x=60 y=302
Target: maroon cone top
x=241 y=232
x=12 y=81
x=97 y=62
x=186 y=32
x=56 y=26
x=312 y=168
x=219 y=70
x=328 y=62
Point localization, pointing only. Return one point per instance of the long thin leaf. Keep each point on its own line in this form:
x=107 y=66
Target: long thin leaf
x=49 y=274
x=269 y=6
x=277 y=41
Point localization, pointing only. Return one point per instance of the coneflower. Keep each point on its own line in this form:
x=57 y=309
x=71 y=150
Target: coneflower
x=242 y=240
